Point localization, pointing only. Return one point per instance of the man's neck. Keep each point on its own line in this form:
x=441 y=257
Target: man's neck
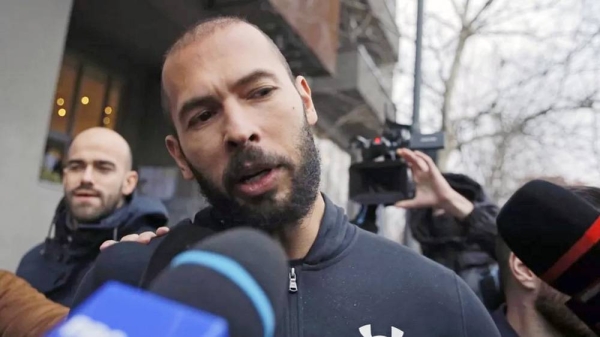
x=298 y=239
x=527 y=322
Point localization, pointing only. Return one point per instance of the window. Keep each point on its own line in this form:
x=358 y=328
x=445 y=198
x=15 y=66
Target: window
x=87 y=95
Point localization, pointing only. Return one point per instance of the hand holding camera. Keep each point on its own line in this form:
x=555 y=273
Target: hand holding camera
x=431 y=188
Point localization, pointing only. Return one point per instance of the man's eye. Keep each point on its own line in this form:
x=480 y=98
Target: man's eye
x=74 y=167
x=201 y=117
x=104 y=169
x=262 y=92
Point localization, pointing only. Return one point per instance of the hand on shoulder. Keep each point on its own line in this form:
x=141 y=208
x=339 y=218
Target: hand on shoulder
x=143 y=238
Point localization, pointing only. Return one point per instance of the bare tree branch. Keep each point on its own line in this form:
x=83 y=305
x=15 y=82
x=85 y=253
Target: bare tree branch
x=481 y=11
x=512 y=33
x=513 y=87
x=449 y=85
x=441 y=21
x=506 y=14
x=457 y=11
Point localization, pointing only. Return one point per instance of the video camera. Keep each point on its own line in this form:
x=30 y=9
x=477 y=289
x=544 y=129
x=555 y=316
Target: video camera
x=378 y=176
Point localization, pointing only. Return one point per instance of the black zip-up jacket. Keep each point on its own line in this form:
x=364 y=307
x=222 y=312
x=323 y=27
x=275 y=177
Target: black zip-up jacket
x=352 y=278
x=57 y=266
x=355 y=283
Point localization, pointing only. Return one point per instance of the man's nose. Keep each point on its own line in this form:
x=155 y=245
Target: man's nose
x=241 y=128
x=88 y=175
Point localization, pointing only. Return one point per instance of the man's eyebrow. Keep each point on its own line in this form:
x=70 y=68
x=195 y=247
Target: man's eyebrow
x=254 y=77
x=210 y=100
x=75 y=161
x=195 y=102
x=96 y=162
x=105 y=163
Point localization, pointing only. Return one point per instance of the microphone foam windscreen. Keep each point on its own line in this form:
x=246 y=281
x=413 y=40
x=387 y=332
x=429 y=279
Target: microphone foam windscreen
x=239 y=274
x=555 y=233
x=124 y=262
x=179 y=239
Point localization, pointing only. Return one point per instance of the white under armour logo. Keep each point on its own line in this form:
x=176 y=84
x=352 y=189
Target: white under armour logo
x=365 y=331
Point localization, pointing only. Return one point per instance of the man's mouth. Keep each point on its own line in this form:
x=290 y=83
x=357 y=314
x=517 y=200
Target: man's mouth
x=255 y=175
x=258 y=179
x=85 y=194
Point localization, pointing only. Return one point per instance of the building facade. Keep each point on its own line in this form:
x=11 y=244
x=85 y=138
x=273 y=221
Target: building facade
x=68 y=65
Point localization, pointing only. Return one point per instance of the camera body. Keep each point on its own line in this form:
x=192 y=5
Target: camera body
x=378 y=176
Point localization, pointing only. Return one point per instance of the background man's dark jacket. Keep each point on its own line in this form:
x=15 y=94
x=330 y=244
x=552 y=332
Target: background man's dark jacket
x=56 y=266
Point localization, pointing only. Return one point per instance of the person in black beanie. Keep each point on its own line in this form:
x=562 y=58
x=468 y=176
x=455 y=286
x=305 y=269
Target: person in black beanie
x=454 y=221
x=532 y=307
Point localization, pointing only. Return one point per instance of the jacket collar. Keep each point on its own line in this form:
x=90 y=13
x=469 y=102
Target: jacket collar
x=135 y=207
x=86 y=238
x=334 y=236
x=91 y=235
x=84 y=232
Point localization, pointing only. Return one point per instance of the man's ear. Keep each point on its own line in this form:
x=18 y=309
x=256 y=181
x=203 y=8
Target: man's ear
x=306 y=96
x=175 y=151
x=130 y=183
x=522 y=274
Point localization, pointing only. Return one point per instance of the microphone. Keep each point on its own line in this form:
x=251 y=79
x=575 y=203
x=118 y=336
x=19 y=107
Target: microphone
x=119 y=310
x=556 y=233
x=124 y=262
x=230 y=285
x=179 y=239
x=137 y=264
x=240 y=275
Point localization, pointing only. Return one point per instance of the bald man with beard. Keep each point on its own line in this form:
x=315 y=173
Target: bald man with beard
x=242 y=130
x=99 y=204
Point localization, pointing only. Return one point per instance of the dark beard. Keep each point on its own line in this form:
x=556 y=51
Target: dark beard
x=264 y=212
x=109 y=206
x=551 y=305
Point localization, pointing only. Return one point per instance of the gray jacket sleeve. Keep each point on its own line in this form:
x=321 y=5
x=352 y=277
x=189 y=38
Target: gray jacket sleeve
x=481 y=227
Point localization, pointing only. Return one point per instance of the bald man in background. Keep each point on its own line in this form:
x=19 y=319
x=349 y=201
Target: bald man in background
x=99 y=204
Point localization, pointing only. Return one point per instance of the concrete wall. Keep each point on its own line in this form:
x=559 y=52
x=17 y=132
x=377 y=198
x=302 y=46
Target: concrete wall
x=334 y=171
x=32 y=36
x=345 y=77
x=385 y=11
x=371 y=84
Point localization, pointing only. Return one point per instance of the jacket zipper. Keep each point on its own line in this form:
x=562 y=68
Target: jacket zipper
x=293 y=283
x=293 y=329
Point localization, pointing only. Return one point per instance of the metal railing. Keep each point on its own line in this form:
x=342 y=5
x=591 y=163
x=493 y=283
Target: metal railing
x=384 y=11
x=372 y=87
